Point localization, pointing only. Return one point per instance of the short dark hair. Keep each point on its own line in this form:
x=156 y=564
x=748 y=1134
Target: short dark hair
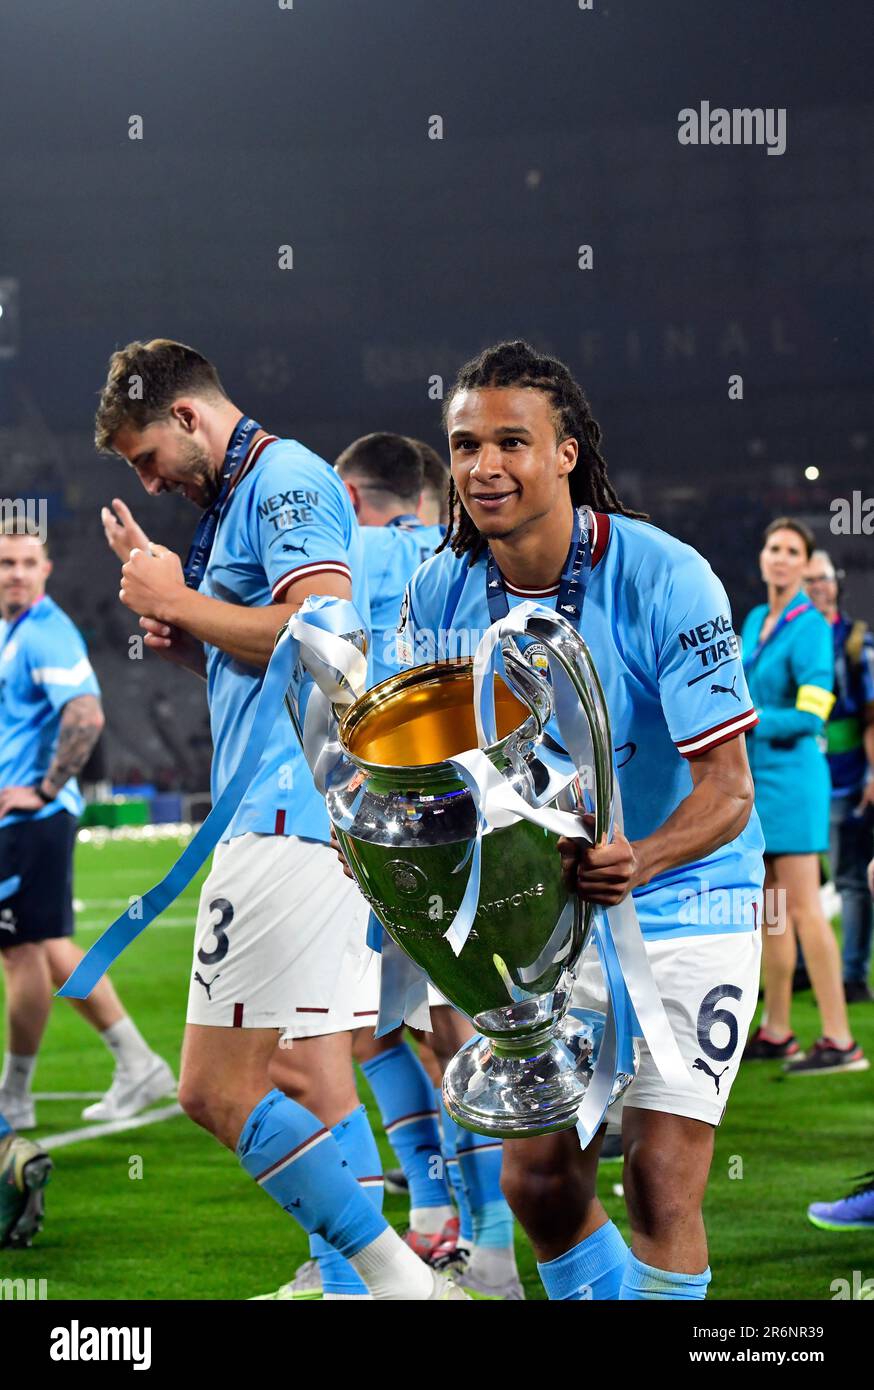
x=517 y=364
x=144 y=380
x=389 y=462
x=790 y=523
x=437 y=477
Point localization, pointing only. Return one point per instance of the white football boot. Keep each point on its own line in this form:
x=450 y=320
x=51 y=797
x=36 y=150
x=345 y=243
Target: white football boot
x=19 y=1112
x=132 y=1091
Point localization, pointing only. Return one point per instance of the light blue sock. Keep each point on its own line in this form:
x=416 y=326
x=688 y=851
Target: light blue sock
x=592 y=1270
x=405 y=1097
x=643 y=1282
x=359 y=1153
x=296 y=1160
x=5 y=1127
x=479 y=1159
x=450 y=1133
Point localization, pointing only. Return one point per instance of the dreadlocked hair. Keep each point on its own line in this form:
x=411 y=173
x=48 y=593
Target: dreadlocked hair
x=517 y=364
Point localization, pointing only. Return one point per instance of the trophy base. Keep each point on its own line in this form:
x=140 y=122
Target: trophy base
x=515 y=1094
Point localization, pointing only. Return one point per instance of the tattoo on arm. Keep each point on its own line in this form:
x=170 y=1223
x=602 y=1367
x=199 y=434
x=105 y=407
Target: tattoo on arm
x=81 y=723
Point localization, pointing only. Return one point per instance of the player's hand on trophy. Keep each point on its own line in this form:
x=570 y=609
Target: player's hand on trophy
x=123 y=534
x=150 y=580
x=603 y=873
x=335 y=845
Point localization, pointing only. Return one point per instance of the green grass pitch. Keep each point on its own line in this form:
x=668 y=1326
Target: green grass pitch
x=192 y=1226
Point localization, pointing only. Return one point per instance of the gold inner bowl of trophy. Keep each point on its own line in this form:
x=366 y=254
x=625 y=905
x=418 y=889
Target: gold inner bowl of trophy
x=423 y=717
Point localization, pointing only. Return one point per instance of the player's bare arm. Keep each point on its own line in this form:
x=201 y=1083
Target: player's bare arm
x=153 y=585
x=81 y=722
x=714 y=812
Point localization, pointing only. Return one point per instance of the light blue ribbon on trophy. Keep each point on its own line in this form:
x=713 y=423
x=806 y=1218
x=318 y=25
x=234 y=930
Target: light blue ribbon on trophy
x=321 y=624
x=633 y=999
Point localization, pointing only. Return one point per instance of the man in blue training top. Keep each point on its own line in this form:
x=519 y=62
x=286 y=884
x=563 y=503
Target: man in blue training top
x=850 y=751
x=529 y=488
x=276 y=915
x=50 y=719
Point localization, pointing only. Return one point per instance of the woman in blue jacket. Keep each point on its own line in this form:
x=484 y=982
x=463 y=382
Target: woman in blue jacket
x=789 y=664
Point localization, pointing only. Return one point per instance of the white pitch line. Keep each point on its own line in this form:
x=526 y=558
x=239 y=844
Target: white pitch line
x=67 y=1095
x=80 y=1136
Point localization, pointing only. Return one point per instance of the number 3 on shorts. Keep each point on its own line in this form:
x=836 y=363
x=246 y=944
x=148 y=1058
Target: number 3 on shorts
x=219 y=930
x=709 y=1014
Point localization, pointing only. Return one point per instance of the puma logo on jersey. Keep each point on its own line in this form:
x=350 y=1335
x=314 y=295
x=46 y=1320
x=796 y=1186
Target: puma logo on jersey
x=726 y=690
x=207 y=984
x=302 y=548
x=700 y=1065
x=632 y=747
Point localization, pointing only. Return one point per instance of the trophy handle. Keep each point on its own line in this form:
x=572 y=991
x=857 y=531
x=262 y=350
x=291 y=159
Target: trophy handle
x=319 y=691
x=577 y=703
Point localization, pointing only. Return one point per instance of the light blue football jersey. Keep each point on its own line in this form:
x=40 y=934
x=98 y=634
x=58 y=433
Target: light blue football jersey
x=43 y=665
x=658 y=624
x=288 y=519
x=392 y=554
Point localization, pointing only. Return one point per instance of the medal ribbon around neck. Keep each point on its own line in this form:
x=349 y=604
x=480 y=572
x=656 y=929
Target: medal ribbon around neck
x=204 y=537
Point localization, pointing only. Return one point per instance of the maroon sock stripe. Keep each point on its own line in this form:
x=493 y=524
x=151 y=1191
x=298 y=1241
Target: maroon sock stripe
x=293 y=1154
x=408 y=1119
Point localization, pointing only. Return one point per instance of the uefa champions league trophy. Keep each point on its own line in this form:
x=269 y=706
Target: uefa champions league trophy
x=467 y=887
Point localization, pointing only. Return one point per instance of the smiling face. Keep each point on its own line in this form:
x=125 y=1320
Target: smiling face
x=24 y=569
x=509 y=469
x=172 y=455
x=783 y=559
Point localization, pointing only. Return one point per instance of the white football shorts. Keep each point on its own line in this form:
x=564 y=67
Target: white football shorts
x=356 y=995
x=277 y=925
x=709 y=986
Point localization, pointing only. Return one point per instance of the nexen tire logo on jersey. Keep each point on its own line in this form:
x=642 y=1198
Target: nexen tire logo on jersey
x=713 y=643
x=75 y=1343
x=292 y=508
